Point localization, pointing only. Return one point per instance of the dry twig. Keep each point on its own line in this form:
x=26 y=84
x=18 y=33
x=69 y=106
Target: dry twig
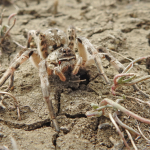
x=134 y=98
x=119 y=67
x=124 y=125
x=142 y=133
x=7 y=32
x=15 y=103
x=120 y=80
x=110 y=103
x=130 y=137
x=99 y=111
x=118 y=130
x=9 y=18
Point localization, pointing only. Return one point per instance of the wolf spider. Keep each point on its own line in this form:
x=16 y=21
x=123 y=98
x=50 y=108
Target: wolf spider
x=55 y=54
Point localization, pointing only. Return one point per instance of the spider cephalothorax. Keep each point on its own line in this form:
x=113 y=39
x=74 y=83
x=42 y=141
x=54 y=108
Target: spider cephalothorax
x=66 y=58
x=60 y=60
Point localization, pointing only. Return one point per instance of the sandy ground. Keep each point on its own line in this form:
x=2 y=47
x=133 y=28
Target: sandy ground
x=118 y=25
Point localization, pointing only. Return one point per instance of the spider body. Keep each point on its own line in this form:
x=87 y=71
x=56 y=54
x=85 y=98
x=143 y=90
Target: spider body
x=55 y=54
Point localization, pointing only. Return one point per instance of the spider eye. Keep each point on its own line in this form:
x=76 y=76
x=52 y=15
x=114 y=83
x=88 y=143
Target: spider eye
x=64 y=51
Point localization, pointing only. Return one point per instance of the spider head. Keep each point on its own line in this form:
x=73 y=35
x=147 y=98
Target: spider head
x=66 y=53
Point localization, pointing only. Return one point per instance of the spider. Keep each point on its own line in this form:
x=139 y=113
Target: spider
x=54 y=56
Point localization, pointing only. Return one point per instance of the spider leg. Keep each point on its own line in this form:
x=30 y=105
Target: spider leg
x=71 y=37
x=52 y=69
x=91 y=59
x=98 y=63
x=35 y=59
x=35 y=37
x=59 y=73
x=46 y=92
x=19 y=59
x=42 y=46
x=11 y=79
x=77 y=66
x=87 y=51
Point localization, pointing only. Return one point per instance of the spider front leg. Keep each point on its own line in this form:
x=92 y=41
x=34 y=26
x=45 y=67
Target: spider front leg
x=18 y=60
x=10 y=71
x=46 y=92
x=89 y=55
